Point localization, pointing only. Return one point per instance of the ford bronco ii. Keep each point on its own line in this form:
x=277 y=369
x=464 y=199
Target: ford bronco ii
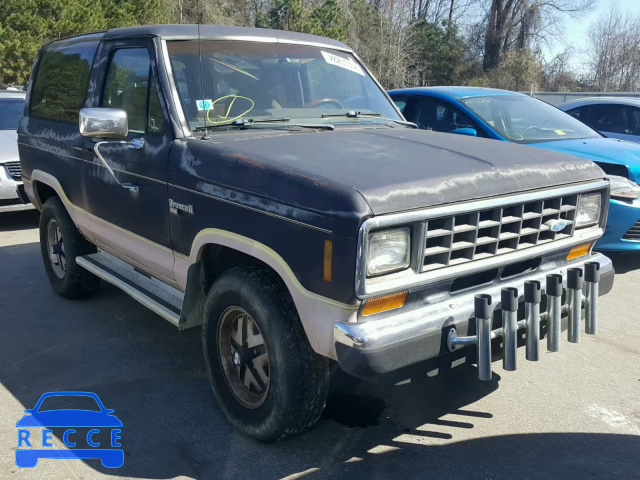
x=263 y=185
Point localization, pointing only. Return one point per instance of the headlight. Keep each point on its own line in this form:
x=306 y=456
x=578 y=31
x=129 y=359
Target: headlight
x=388 y=251
x=588 y=210
x=623 y=188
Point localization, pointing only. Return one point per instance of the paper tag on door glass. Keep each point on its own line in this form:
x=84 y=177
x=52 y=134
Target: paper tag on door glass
x=204 y=104
x=342 y=62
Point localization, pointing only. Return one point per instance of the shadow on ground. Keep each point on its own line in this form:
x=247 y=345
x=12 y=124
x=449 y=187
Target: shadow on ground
x=10 y=221
x=154 y=378
x=624 y=262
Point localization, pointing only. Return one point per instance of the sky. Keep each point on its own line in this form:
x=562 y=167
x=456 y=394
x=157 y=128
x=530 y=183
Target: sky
x=575 y=34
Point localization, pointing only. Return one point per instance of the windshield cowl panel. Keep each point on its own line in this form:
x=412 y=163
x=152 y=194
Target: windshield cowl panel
x=522 y=119
x=219 y=81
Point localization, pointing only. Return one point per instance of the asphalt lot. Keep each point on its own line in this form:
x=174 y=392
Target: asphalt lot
x=574 y=415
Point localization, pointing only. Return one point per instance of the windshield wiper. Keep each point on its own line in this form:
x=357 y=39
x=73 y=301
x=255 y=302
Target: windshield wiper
x=243 y=123
x=354 y=114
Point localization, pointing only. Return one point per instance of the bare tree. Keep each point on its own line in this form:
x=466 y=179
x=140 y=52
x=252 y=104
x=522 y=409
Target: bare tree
x=516 y=24
x=613 y=52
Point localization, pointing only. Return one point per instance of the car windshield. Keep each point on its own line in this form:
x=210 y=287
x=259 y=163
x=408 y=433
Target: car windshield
x=69 y=402
x=258 y=80
x=523 y=119
x=11 y=110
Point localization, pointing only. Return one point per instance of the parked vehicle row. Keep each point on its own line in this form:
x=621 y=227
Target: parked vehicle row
x=517 y=118
x=263 y=185
x=12 y=196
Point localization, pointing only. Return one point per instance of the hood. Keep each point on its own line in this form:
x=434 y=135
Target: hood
x=601 y=150
x=397 y=169
x=8 y=146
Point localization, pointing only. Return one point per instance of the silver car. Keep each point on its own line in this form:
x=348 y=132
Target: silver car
x=12 y=195
x=613 y=117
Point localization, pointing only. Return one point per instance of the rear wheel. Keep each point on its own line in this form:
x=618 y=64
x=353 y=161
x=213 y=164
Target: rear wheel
x=266 y=378
x=61 y=243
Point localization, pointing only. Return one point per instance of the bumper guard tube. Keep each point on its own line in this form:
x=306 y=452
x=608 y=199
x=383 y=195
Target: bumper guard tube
x=377 y=347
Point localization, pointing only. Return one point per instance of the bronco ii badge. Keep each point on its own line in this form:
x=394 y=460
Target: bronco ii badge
x=175 y=206
x=92 y=430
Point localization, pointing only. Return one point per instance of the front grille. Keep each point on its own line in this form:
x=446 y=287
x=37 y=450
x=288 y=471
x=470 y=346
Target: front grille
x=465 y=237
x=633 y=233
x=14 y=169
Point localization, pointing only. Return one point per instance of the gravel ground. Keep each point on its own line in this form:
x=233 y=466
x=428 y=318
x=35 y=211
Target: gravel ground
x=572 y=415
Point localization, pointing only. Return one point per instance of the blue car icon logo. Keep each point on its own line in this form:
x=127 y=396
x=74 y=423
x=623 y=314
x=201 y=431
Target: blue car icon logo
x=90 y=430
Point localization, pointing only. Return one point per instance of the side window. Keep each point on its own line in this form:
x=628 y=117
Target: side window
x=579 y=113
x=401 y=103
x=128 y=88
x=609 y=118
x=60 y=87
x=441 y=116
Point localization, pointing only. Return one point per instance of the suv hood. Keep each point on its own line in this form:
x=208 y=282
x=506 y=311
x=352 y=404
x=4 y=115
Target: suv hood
x=397 y=169
x=8 y=146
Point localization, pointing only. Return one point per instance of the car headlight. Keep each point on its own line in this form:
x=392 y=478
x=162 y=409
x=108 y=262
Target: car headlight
x=589 y=208
x=623 y=188
x=388 y=251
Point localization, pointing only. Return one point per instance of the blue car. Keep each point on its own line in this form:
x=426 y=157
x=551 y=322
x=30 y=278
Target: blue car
x=518 y=118
x=613 y=117
x=97 y=419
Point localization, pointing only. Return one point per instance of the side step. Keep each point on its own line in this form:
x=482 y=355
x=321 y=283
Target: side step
x=157 y=296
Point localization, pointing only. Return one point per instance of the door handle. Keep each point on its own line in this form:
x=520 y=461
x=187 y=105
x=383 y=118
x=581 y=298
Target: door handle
x=135 y=144
x=131 y=187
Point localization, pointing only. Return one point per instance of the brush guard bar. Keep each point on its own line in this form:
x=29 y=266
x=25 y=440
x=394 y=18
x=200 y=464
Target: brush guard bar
x=576 y=283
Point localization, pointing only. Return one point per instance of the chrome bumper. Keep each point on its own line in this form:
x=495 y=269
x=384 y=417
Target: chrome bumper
x=10 y=199
x=380 y=346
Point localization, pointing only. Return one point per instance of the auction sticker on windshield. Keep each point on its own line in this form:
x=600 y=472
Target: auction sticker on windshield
x=342 y=62
x=54 y=430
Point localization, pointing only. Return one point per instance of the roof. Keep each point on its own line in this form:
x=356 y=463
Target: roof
x=634 y=101
x=221 y=32
x=457 y=92
x=12 y=94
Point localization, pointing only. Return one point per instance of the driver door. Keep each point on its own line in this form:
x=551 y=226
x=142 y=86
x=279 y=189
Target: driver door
x=133 y=223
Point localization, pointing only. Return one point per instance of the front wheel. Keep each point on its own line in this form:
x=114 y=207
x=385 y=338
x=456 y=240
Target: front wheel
x=266 y=378
x=61 y=243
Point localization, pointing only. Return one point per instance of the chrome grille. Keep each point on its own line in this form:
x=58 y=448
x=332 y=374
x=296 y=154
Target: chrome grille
x=633 y=233
x=14 y=169
x=470 y=236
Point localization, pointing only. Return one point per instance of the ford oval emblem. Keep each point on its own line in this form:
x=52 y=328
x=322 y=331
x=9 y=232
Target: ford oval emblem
x=556 y=225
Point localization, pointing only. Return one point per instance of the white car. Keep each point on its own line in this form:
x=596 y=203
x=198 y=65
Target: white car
x=12 y=196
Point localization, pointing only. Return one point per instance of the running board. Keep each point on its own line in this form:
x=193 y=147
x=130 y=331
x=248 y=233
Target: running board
x=157 y=296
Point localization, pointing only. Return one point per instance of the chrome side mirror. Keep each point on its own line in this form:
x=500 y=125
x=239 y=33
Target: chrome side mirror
x=103 y=123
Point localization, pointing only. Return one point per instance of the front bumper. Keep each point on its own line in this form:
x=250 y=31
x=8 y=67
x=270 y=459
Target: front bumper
x=622 y=216
x=377 y=347
x=12 y=196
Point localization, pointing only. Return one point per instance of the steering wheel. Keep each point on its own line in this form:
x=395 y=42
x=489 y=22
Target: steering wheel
x=532 y=127
x=320 y=101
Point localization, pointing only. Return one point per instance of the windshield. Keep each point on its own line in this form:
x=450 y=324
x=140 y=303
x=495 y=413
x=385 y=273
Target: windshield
x=11 y=110
x=524 y=119
x=243 y=79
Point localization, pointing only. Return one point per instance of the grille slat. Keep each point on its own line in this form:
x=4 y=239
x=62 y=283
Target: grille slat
x=465 y=237
x=14 y=169
x=633 y=233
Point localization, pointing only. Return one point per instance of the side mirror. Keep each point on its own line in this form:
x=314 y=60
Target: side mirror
x=104 y=123
x=466 y=131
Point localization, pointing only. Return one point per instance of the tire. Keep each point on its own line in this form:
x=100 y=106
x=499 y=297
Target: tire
x=298 y=378
x=67 y=278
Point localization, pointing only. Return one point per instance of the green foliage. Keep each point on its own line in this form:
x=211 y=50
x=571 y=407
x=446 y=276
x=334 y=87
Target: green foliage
x=325 y=19
x=26 y=24
x=440 y=54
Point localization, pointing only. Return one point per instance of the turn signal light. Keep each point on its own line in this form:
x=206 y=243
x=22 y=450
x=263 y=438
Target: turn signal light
x=579 y=251
x=384 y=303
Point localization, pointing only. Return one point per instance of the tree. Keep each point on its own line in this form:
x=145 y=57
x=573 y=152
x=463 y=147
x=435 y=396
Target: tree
x=516 y=24
x=613 y=52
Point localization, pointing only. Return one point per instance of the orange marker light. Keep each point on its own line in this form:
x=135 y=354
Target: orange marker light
x=579 y=251
x=384 y=303
x=327 y=261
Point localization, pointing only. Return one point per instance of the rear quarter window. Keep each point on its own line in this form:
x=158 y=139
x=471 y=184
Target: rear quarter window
x=60 y=87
